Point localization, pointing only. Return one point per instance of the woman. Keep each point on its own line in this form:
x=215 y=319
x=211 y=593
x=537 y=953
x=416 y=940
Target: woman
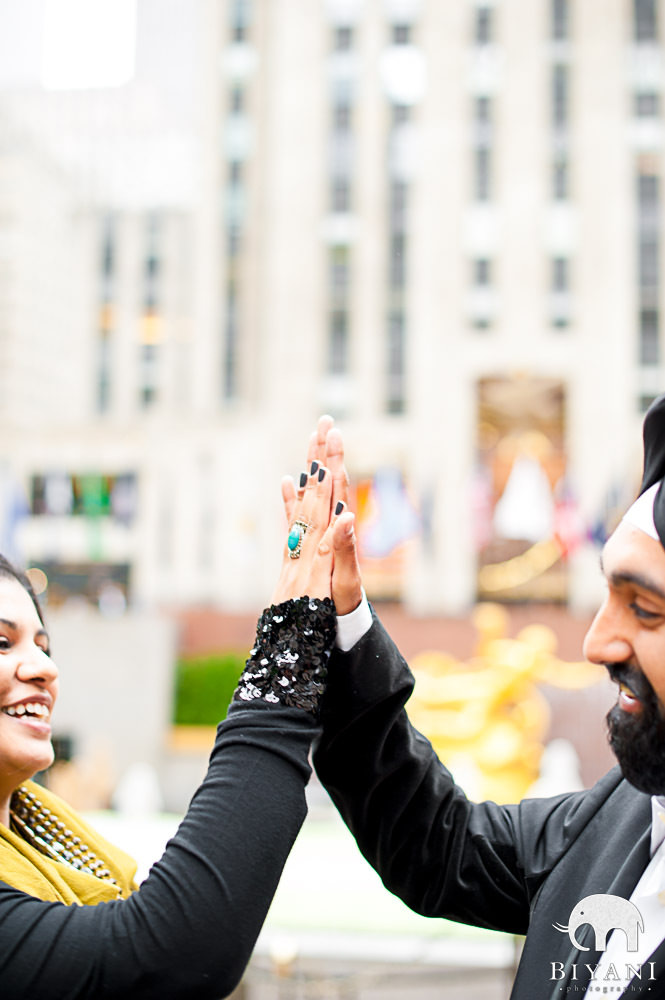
x=72 y=922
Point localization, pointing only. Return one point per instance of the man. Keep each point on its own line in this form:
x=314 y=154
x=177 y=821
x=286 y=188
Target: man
x=522 y=868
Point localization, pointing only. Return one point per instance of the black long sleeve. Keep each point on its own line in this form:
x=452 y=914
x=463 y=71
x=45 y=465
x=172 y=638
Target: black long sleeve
x=479 y=863
x=518 y=868
x=190 y=929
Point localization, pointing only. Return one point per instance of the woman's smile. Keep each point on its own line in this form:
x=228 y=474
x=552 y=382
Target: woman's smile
x=32 y=713
x=28 y=690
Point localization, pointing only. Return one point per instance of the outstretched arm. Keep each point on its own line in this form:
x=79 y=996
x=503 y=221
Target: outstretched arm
x=190 y=928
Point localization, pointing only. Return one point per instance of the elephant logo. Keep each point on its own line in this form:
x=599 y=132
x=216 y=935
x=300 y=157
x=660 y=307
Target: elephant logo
x=604 y=913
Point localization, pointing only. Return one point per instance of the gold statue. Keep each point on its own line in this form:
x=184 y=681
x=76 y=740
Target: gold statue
x=487 y=719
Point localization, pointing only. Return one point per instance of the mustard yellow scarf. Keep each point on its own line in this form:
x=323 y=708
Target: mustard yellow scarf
x=24 y=867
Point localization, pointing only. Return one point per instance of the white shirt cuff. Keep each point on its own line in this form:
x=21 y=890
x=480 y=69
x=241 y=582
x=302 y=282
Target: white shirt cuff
x=352 y=627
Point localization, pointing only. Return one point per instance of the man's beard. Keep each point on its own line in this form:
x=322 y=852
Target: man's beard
x=638 y=738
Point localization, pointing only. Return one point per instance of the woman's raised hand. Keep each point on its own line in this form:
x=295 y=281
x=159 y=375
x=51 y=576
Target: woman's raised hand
x=308 y=558
x=335 y=554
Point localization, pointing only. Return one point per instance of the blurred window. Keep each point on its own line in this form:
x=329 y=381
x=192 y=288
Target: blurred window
x=560 y=179
x=398 y=204
x=483 y=25
x=150 y=333
x=62 y=494
x=560 y=274
x=401 y=34
x=342 y=114
x=343 y=38
x=645 y=21
x=648 y=211
x=397 y=261
x=648 y=199
x=339 y=271
x=237 y=99
x=647 y=104
x=240 y=14
x=108 y=263
x=230 y=343
x=559 y=20
x=400 y=113
x=152 y=264
x=341 y=194
x=560 y=87
x=233 y=240
x=482 y=164
x=482 y=271
x=235 y=173
x=645 y=401
x=338 y=344
x=482 y=121
x=396 y=394
x=649 y=336
x=483 y=109
x=103 y=375
x=648 y=261
x=108 y=246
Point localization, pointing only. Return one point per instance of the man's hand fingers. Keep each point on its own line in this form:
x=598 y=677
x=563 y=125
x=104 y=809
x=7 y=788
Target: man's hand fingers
x=324 y=424
x=346 y=579
x=316 y=446
x=312 y=449
x=335 y=462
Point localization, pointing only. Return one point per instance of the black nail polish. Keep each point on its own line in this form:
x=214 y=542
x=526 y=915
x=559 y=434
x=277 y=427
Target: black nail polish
x=322 y=473
x=339 y=508
x=315 y=466
x=303 y=479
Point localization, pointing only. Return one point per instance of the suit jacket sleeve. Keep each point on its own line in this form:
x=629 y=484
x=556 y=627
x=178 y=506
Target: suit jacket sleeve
x=442 y=854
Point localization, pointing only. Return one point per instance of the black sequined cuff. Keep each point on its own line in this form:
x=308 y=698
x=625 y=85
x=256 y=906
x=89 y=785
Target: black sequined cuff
x=288 y=664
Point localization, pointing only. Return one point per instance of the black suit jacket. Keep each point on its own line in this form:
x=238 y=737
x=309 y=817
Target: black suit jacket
x=517 y=868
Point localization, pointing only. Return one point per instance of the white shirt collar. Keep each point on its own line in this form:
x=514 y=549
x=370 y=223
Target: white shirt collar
x=657 y=822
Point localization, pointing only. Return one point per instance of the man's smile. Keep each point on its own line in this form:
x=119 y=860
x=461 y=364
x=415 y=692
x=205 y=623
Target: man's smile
x=634 y=688
x=628 y=700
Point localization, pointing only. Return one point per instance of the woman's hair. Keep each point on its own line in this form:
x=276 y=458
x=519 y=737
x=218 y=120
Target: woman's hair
x=10 y=572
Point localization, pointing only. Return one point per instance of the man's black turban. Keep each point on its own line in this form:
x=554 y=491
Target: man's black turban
x=654 y=461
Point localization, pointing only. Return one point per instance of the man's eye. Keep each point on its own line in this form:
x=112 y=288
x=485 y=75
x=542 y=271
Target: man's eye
x=644 y=614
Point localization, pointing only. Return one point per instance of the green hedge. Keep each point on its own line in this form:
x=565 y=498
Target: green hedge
x=204 y=687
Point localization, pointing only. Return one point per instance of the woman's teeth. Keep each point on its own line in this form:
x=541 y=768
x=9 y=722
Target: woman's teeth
x=29 y=708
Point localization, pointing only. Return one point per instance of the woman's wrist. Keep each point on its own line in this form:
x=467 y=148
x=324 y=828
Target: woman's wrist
x=289 y=662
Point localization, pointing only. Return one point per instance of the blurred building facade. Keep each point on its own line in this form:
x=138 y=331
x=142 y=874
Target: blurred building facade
x=438 y=222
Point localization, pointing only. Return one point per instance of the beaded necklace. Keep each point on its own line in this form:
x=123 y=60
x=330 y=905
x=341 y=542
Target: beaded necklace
x=40 y=827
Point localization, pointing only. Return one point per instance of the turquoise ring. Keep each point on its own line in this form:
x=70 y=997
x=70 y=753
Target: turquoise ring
x=295 y=537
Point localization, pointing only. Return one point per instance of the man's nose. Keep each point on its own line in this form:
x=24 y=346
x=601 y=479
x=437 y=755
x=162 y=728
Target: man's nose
x=608 y=640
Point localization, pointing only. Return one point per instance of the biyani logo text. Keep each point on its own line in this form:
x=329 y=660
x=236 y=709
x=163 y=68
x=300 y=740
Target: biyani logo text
x=604 y=913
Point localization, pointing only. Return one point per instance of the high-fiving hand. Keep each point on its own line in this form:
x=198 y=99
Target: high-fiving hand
x=320 y=554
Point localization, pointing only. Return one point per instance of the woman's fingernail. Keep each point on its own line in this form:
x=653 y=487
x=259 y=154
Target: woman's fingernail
x=322 y=473
x=339 y=508
x=303 y=479
x=315 y=466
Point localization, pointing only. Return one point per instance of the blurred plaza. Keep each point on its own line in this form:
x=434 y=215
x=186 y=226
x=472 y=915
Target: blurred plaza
x=439 y=222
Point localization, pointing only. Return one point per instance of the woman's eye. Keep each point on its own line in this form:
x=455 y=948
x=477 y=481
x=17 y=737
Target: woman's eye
x=4 y=642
